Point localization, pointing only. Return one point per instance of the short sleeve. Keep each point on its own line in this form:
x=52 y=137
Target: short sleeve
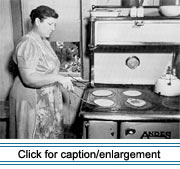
x=27 y=54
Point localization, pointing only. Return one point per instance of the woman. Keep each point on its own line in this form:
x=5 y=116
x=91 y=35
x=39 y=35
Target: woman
x=35 y=98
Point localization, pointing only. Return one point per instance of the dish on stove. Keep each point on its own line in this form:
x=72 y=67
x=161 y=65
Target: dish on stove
x=132 y=93
x=104 y=102
x=136 y=102
x=102 y=93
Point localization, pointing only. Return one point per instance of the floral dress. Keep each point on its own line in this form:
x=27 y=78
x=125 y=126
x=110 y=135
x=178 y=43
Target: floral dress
x=36 y=113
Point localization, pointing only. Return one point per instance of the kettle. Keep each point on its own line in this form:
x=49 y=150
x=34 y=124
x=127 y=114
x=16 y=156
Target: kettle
x=168 y=84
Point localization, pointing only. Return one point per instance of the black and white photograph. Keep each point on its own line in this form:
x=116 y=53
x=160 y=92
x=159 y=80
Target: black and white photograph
x=90 y=82
x=94 y=69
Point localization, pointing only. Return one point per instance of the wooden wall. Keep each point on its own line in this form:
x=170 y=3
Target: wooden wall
x=6 y=47
x=68 y=24
x=16 y=20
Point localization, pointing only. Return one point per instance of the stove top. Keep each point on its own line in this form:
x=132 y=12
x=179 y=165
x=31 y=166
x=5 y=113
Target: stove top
x=137 y=102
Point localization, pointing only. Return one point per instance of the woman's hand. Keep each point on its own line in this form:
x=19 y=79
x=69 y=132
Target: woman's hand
x=66 y=82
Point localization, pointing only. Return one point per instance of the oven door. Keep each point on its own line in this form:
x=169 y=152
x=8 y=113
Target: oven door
x=149 y=130
x=129 y=68
x=100 y=129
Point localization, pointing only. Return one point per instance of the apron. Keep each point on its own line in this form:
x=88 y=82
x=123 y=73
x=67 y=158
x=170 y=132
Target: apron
x=49 y=104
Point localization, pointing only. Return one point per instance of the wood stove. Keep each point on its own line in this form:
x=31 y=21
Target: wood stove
x=128 y=55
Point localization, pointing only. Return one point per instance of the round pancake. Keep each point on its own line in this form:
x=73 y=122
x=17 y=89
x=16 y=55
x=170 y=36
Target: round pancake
x=104 y=102
x=132 y=93
x=102 y=93
x=136 y=102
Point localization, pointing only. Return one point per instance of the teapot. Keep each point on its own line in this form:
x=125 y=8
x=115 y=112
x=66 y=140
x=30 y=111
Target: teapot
x=168 y=84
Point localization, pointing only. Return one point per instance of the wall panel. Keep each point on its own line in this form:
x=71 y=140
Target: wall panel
x=6 y=47
x=68 y=24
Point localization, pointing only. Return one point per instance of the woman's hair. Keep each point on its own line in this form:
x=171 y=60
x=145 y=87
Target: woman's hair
x=42 y=12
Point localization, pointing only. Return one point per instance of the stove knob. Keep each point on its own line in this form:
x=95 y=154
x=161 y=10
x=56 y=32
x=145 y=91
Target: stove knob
x=130 y=131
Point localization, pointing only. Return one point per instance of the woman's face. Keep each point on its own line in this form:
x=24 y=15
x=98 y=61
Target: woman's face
x=46 y=26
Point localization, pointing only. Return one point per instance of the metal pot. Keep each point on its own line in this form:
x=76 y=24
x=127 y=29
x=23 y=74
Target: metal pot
x=169 y=2
x=168 y=85
x=130 y=3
